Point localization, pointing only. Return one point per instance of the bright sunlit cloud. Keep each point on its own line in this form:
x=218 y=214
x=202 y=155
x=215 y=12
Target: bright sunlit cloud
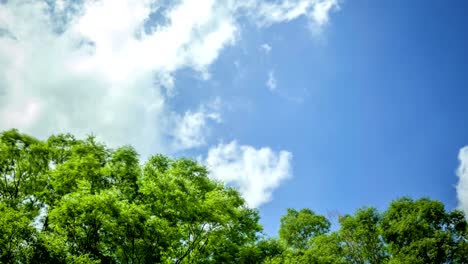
x=256 y=172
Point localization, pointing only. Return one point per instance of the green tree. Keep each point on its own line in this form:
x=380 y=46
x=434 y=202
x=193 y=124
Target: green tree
x=304 y=233
x=327 y=249
x=458 y=228
x=299 y=227
x=16 y=234
x=67 y=200
x=416 y=231
x=78 y=201
x=361 y=237
x=23 y=164
x=212 y=221
x=263 y=251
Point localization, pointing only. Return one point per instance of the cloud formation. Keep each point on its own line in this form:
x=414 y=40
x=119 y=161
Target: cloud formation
x=103 y=69
x=107 y=67
x=190 y=130
x=256 y=172
x=462 y=186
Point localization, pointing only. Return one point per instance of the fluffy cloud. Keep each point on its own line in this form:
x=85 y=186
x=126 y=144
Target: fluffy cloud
x=190 y=130
x=98 y=67
x=107 y=66
x=256 y=172
x=462 y=186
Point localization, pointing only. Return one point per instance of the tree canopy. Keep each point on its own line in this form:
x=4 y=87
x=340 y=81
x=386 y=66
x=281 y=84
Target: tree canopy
x=69 y=200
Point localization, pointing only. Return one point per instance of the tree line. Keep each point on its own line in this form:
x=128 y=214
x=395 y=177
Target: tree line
x=69 y=200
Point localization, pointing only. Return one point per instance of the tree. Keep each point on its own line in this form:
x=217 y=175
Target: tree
x=409 y=231
x=212 y=221
x=327 y=249
x=15 y=236
x=78 y=201
x=362 y=242
x=264 y=250
x=416 y=231
x=458 y=228
x=66 y=200
x=23 y=165
x=299 y=227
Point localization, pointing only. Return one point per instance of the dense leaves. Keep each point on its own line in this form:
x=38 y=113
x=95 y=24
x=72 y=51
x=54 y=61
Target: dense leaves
x=298 y=228
x=67 y=200
x=409 y=231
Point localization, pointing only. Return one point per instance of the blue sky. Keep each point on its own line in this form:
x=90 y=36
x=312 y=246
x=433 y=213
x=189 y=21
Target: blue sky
x=386 y=111
x=330 y=105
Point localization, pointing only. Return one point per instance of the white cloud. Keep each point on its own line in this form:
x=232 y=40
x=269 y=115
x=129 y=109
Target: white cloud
x=256 y=172
x=99 y=67
x=104 y=67
x=191 y=130
x=317 y=11
x=104 y=73
x=266 y=48
x=462 y=186
x=320 y=14
x=271 y=81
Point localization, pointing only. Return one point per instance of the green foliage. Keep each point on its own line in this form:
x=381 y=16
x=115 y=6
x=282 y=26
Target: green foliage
x=409 y=231
x=16 y=233
x=328 y=249
x=65 y=200
x=265 y=250
x=298 y=227
x=23 y=163
x=421 y=231
x=361 y=238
